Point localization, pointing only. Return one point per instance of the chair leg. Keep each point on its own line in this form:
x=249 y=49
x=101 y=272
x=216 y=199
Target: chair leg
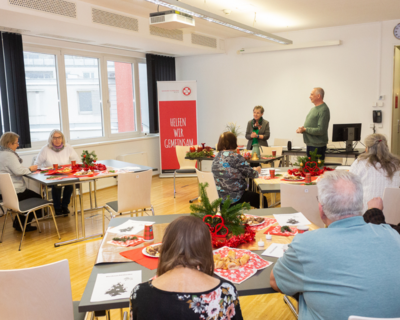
x=23 y=230
x=104 y=223
x=152 y=210
x=54 y=219
x=291 y=306
x=174 y=185
x=36 y=219
x=4 y=225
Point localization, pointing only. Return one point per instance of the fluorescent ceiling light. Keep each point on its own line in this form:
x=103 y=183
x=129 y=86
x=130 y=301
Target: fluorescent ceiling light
x=202 y=14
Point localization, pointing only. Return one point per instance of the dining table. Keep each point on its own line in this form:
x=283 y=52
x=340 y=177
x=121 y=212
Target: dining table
x=47 y=182
x=255 y=285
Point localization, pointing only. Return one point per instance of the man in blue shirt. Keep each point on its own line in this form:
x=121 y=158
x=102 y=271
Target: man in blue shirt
x=349 y=268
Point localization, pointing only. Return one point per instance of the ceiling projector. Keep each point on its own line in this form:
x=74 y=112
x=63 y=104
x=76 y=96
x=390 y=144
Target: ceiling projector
x=171 y=19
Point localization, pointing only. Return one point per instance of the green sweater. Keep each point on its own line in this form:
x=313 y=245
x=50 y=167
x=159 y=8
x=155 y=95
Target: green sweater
x=316 y=125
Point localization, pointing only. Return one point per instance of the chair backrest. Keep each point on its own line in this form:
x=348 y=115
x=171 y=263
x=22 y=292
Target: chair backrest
x=37 y=293
x=391 y=205
x=365 y=318
x=267 y=151
x=7 y=190
x=134 y=190
x=280 y=142
x=181 y=154
x=302 y=199
x=208 y=177
x=139 y=158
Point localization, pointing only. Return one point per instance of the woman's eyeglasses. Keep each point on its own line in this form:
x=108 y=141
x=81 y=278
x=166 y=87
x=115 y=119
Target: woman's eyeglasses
x=57 y=138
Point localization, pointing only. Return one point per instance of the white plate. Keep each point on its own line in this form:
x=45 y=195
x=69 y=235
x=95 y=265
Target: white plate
x=302 y=179
x=149 y=255
x=297 y=148
x=255 y=225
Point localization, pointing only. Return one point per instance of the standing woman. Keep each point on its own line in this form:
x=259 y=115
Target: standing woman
x=11 y=163
x=377 y=168
x=257 y=129
x=58 y=152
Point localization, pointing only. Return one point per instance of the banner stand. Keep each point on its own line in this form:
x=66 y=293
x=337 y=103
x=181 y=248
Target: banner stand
x=177 y=117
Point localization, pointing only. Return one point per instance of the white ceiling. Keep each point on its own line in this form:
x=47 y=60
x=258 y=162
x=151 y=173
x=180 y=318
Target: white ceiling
x=274 y=16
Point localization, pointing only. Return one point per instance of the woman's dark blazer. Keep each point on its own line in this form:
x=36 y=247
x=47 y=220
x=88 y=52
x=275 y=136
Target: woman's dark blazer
x=264 y=131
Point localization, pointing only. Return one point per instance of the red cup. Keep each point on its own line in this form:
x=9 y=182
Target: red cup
x=302 y=229
x=272 y=173
x=148 y=232
x=308 y=178
x=55 y=166
x=274 y=153
x=73 y=163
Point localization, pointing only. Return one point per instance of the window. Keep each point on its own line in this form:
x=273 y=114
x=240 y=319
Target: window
x=144 y=98
x=121 y=96
x=84 y=98
x=85 y=101
x=43 y=95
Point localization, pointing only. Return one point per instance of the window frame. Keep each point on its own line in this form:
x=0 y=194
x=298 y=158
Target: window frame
x=59 y=54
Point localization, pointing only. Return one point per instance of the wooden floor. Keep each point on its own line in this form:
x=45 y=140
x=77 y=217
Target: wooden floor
x=38 y=249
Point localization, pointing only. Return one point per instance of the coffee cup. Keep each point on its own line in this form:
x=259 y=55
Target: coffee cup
x=272 y=173
x=274 y=153
x=55 y=166
x=302 y=229
x=148 y=232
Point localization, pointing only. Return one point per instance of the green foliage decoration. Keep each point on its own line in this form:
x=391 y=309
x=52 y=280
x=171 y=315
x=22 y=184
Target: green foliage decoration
x=231 y=215
x=88 y=157
x=301 y=161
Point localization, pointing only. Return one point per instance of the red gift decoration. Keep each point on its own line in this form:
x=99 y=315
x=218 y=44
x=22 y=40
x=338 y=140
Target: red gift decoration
x=218 y=227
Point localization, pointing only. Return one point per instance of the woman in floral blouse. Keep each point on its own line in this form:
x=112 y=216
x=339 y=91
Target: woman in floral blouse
x=230 y=171
x=184 y=287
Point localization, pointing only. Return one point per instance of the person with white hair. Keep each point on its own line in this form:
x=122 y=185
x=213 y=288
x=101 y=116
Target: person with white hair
x=349 y=268
x=377 y=168
x=315 y=128
x=57 y=151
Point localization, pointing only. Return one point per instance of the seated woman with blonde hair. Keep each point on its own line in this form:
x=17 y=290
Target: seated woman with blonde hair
x=377 y=168
x=185 y=287
x=57 y=151
x=11 y=163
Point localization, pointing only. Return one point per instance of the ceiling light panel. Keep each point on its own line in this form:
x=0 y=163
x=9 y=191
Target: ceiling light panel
x=208 y=16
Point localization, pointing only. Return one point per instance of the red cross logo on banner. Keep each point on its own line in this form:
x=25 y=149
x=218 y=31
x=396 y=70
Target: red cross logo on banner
x=186 y=91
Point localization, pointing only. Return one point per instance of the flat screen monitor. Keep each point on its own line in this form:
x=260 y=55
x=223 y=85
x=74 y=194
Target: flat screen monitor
x=346 y=132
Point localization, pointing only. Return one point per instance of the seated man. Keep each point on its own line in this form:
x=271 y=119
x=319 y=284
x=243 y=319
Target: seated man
x=349 y=268
x=374 y=214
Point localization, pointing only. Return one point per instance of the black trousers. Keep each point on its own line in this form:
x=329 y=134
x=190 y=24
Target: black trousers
x=321 y=151
x=56 y=193
x=253 y=198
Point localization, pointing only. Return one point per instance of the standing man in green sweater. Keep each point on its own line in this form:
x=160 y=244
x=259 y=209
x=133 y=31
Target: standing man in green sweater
x=315 y=129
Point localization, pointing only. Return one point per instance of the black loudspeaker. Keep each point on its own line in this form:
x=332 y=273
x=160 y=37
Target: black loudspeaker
x=289 y=145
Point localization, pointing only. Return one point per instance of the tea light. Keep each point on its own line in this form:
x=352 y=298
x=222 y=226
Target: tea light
x=261 y=243
x=268 y=237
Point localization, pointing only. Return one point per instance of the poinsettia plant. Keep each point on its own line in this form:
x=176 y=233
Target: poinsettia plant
x=88 y=158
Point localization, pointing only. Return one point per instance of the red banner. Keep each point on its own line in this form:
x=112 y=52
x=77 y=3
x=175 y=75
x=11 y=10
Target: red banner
x=177 y=120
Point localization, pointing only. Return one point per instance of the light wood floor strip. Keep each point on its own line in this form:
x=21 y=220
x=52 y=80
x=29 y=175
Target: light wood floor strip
x=38 y=249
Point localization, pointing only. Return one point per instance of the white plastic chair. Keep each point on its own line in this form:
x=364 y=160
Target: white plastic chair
x=139 y=158
x=391 y=205
x=302 y=199
x=134 y=195
x=185 y=165
x=208 y=177
x=25 y=207
x=365 y=318
x=267 y=151
x=38 y=293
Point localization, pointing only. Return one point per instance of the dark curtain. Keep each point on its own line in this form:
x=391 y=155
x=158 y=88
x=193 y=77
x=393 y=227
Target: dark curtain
x=13 y=88
x=159 y=68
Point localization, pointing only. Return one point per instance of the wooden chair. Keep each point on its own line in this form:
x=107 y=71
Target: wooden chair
x=38 y=293
x=185 y=166
x=208 y=177
x=303 y=199
x=280 y=142
x=25 y=207
x=391 y=205
x=134 y=195
x=267 y=151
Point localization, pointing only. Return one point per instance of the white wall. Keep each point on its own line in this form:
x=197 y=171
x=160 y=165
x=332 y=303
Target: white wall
x=352 y=74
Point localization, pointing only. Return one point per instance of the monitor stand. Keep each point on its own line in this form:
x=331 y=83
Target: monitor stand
x=349 y=146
